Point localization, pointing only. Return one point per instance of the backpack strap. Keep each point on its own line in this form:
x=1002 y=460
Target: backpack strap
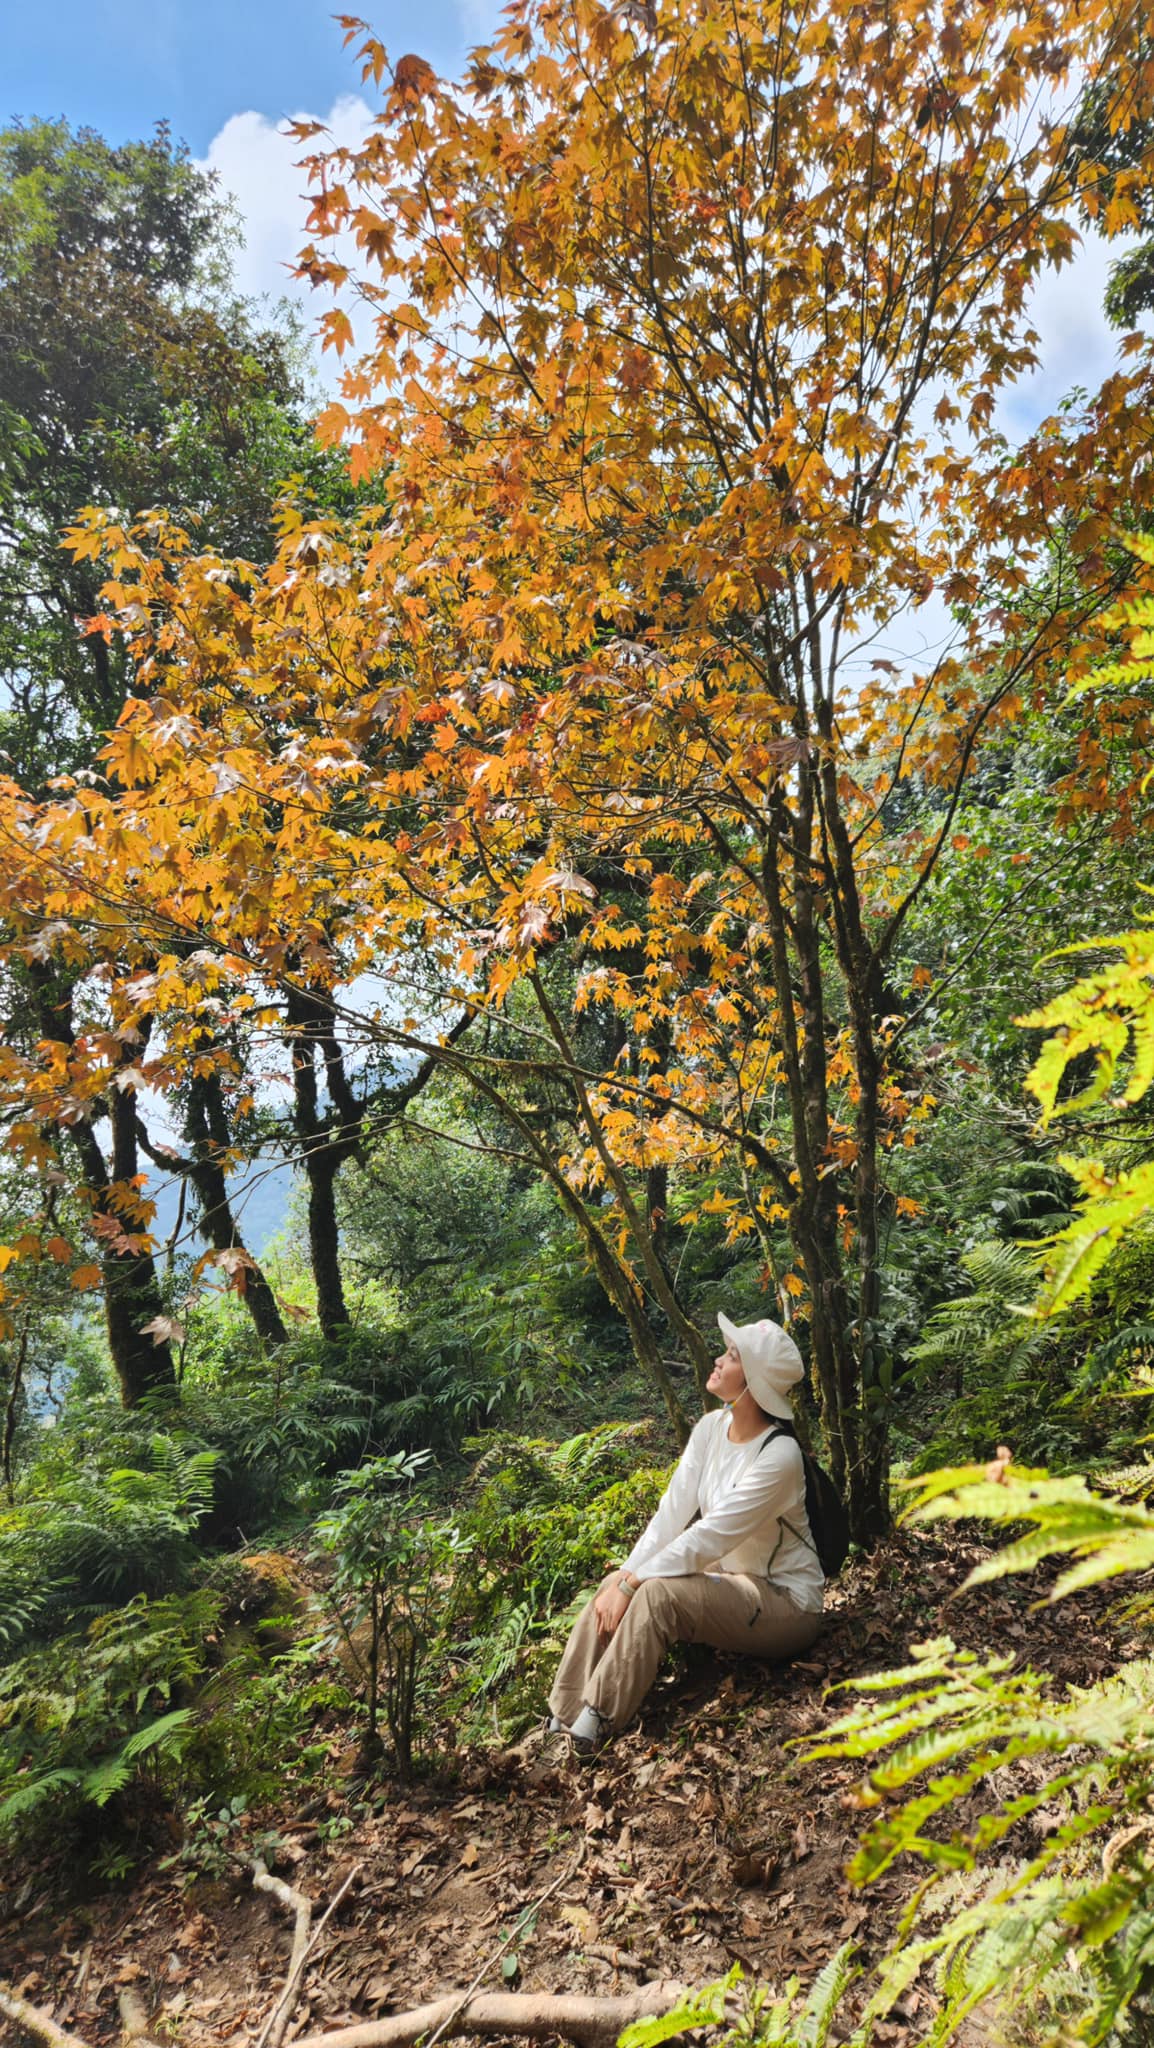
x=783 y=1428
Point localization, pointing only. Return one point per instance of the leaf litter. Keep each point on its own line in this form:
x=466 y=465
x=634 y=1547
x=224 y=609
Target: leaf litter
x=703 y=1841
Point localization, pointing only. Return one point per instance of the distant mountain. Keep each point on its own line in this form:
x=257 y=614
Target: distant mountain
x=260 y=1199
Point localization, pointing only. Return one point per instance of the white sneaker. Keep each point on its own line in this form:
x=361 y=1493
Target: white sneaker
x=590 y=1732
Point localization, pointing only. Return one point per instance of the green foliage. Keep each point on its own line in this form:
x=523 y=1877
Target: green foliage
x=1064 y=1921
x=990 y=1324
x=492 y=1303
x=1104 y=1022
x=757 y=2015
x=1113 y=1205
x=1004 y=1373
x=391 y=1577
x=95 y=1783
x=280 y=1427
x=131 y=375
x=1065 y=1517
x=545 y=1527
x=100 y=1534
x=528 y=1474
x=88 y=1717
x=1108 y=1015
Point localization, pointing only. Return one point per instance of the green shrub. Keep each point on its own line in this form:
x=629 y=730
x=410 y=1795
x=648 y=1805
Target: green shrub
x=996 y=1373
x=1059 y=1932
x=87 y=1718
x=546 y=1527
x=100 y=1535
x=392 y=1578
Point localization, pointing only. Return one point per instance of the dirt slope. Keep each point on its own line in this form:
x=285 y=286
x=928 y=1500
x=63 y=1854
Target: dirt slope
x=696 y=1841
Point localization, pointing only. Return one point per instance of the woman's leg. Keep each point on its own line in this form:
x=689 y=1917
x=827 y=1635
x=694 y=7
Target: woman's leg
x=582 y=1654
x=726 y=1610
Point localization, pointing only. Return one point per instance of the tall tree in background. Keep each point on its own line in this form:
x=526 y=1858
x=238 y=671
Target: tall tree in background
x=690 y=332
x=663 y=301
x=130 y=374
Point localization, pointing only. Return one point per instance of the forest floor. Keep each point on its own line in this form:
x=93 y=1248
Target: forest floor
x=696 y=1841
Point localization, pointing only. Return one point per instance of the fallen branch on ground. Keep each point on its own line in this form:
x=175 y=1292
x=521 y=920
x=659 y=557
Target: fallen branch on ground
x=34 y=2021
x=133 y=2021
x=592 y=2022
x=305 y=1939
x=299 y=1904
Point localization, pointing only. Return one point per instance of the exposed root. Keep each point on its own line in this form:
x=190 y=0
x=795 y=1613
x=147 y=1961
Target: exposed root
x=32 y=2020
x=591 y=2022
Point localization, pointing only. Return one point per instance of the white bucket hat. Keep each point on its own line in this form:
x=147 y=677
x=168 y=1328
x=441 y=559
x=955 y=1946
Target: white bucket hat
x=770 y=1360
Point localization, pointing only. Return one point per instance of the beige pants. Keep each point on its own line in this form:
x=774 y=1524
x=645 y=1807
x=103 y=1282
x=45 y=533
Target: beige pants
x=729 y=1611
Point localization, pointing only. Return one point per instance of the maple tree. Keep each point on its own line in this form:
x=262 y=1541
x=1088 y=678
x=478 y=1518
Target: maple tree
x=682 y=334
x=129 y=376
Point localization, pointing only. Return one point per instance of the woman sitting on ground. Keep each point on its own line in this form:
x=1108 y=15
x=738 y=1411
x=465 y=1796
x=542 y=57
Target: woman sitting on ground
x=744 y=1576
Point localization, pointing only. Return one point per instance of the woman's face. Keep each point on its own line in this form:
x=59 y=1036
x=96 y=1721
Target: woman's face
x=727 y=1380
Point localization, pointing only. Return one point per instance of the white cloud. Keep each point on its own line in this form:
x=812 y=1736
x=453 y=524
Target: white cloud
x=1078 y=347
x=259 y=165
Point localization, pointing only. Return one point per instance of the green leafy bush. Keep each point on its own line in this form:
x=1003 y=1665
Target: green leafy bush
x=993 y=1369
x=98 y=1535
x=546 y=1527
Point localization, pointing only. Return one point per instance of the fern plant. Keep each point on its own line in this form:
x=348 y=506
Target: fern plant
x=1063 y=1924
x=1106 y=1019
x=95 y=1783
x=392 y=1573
x=1002 y=1372
x=81 y=1720
x=547 y=1521
x=990 y=1326
x=99 y=1536
x=758 y=2015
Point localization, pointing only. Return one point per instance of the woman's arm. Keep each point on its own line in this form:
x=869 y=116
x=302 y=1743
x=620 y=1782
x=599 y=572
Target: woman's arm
x=675 y=1509
x=678 y=1504
x=773 y=1486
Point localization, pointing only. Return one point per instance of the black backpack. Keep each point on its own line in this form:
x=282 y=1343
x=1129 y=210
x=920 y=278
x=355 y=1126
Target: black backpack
x=824 y=1507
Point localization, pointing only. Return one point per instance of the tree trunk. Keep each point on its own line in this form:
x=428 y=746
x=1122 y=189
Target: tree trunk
x=869 y=1501
x=620 y=1290
x=208 y=1137
x=617 y=1282
x=325 y=1243
x=664 y=1294
x=321 y=1152
x=815 y=1225
x=132 y=1295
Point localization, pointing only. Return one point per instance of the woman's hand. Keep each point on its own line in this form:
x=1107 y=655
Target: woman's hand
x=609 y=1609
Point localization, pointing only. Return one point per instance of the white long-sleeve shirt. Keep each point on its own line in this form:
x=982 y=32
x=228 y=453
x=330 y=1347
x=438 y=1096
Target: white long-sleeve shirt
x=751 y=1500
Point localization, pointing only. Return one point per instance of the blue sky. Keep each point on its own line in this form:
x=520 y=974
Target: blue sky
x=226 y=73
x=121 y=65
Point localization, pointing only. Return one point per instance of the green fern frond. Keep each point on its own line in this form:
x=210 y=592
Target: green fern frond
x=825 y=1997
x=703 y=2008
x=33 y=1793
x=165 y=1736
x=1108 y=1537
x=1113 y=1207
x=105 y=1778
